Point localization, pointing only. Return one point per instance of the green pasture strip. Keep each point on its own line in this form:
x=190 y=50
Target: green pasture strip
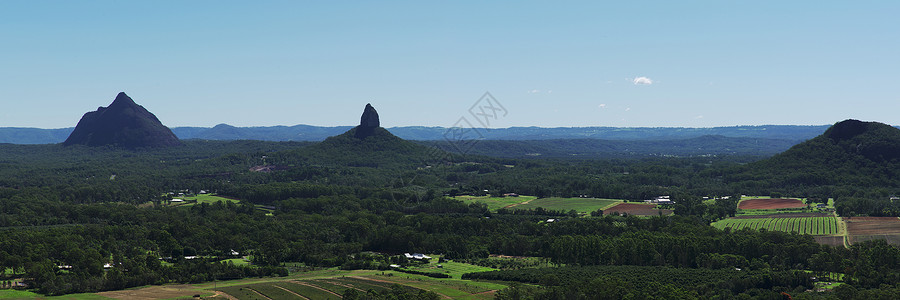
x=236 y=261
x=494 y=203
x=581 y=205
x=327 y=285
x=454 y=269
x=364 y=284
x=241 y=292
x=271 y=290
x=455 y=288
x=306 y=291
x=204 y=198
x=17 y=294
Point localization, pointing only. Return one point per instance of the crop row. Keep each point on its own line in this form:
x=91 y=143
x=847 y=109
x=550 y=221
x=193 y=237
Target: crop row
x=802 y=225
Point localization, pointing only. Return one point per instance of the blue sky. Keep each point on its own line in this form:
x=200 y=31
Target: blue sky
x=550 y=64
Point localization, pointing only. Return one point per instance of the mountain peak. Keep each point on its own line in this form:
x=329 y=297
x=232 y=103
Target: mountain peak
x=123 y=123
x=122 y=99
x=848 y=129
x=368 y=122
x=369 y=117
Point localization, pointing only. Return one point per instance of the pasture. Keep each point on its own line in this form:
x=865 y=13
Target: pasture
x=580 y=205
x=334 y=287
x=818 y=225
x=495 y=203
x=454 y=269
x=202 y=198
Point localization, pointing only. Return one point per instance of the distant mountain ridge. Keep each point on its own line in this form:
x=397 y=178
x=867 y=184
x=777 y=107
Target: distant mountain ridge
x=796 y=133
x=597 y=148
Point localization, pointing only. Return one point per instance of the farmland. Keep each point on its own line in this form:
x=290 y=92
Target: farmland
x=819 y=225
x=860 y=229
x=334 y=287
x=580 y=205
x=637 y=209
x=495 y=203
x=451 y=268
x=771 y=204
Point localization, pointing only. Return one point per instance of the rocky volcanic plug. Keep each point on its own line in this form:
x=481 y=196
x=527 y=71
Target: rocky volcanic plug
x=123 y=123
x=367 y=123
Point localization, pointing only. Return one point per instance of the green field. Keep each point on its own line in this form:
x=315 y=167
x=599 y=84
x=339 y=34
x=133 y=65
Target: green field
x=454 y=269
x=802 y=225
x=15 y=294
x=204 y=198
x=495 y=203
x=581 y=205
x=236 y=261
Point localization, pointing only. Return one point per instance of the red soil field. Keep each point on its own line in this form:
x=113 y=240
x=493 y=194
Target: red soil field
x=637 y=209
x=771 y=204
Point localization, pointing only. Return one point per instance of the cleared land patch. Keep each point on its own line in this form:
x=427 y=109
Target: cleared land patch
x=837 y=241
x=860 y=229
x=581 y=205
x=635 y=209
x=495 y=203
x=779 y=203
x=153 y=292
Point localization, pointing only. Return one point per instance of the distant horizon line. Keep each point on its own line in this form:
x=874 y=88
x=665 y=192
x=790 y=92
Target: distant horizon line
x=426 y=126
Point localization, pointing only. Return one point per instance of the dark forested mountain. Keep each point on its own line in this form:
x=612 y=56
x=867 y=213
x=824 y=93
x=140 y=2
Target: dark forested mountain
x=123 y=123
x=423 y=133
x=849 y=159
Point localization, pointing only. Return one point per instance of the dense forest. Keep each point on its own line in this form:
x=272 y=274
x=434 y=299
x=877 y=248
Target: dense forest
x=316 y=205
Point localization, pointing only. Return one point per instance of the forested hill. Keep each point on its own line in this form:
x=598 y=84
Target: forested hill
x=318 y=133
x=850 y=156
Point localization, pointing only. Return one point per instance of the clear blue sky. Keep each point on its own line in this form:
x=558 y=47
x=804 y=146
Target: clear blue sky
x=550 y=64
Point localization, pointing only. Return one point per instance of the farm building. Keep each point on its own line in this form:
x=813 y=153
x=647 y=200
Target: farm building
x=416 y=256
x=660 y=200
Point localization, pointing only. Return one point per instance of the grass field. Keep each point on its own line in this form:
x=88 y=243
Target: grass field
x=237 y=261
x=581 y=205
x=204 y=198
x=495 y=203
x=454 y=269
x=802 y=225
x=321 y=284
x=14 y=294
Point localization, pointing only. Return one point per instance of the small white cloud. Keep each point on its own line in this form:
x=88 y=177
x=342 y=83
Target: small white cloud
x=550 y=92
x=642 y=81
x=627 y=109
x=602 y=106
x=534 y=91
x=699 y=117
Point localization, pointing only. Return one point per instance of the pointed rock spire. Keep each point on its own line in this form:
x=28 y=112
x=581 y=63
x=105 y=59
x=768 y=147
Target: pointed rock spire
x=368 y=122
x=369 y=117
